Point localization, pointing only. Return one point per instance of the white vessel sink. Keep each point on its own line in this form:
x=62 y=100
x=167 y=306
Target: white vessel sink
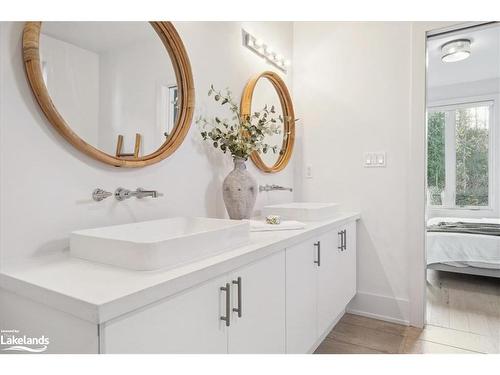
x=302 y=211
x=164 y=243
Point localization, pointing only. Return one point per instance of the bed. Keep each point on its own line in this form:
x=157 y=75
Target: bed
x=456 y=251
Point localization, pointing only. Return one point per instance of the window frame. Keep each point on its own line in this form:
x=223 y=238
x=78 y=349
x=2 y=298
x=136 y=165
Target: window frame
x=449 y=107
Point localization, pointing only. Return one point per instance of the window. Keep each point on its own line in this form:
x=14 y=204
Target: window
x=459 y=155
x=435 y=157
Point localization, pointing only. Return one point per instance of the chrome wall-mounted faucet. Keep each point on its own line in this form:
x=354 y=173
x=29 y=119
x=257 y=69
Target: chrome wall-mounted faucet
x=273 y=187
x=121 y=193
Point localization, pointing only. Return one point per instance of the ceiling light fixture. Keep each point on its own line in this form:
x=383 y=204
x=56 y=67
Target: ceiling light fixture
x=455 y=50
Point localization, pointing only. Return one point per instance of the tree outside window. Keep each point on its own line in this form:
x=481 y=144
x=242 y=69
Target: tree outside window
x=435 y=157
x=468 y=137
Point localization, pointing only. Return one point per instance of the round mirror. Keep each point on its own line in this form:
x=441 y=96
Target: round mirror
x=268 y=89
x=264 y=94
x=122 y=92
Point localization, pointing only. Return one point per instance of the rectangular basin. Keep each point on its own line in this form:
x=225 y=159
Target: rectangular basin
x=302 y=211
x=164 y=243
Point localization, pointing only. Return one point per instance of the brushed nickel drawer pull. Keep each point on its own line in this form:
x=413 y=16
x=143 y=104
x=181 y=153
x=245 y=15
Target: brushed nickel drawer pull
x=318 y=245
x=238 y=310
x=227 y=290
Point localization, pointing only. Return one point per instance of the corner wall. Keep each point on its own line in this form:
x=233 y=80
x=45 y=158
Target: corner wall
x=353 y=86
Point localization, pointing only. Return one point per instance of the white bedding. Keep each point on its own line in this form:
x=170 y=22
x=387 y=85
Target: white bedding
x=463 y=250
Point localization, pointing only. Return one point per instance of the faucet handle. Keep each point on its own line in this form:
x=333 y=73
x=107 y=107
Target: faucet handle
x=99 y=194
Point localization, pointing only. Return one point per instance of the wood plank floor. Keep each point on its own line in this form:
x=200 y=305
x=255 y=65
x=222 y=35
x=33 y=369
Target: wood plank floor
x=464 y=302
x=463 y=315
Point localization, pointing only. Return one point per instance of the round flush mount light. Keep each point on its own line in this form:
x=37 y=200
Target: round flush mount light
x=455 y=50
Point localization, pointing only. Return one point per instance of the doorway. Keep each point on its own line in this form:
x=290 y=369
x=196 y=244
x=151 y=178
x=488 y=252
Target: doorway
x=463 y=183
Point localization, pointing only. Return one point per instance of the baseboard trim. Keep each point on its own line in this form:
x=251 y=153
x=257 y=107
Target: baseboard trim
x=390 y=309
x=378 y=317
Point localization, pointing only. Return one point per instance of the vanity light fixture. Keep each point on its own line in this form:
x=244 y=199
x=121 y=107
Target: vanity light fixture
x=263 y=49
x=455 y=50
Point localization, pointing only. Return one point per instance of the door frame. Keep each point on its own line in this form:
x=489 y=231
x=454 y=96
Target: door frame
x=417 y=162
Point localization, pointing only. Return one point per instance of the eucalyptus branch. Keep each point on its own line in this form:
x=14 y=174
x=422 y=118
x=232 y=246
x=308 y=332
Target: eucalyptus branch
x=243 y=135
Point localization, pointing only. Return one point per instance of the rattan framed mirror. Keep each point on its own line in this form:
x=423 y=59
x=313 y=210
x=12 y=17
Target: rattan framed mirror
x=162 y=143
x=279 y=88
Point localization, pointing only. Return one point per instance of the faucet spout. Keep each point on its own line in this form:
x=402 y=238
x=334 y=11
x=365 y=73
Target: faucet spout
x=272 y=187
x=142 y=193
x=121 y=193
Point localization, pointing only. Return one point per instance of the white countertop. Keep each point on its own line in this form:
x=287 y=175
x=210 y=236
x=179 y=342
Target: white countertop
x=98 y=292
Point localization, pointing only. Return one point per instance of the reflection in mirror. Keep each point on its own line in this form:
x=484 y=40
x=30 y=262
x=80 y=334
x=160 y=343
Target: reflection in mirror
x=111 y=79
x=265 y=94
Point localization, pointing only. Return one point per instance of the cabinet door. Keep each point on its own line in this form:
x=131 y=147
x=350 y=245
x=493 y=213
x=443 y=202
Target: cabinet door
x=260 y=294
x=301 y=330
x=348 y=263
x=188 y=322
x=330 y=288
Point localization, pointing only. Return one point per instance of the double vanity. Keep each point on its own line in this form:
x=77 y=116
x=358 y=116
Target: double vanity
x=179 y=284
x=187 y=285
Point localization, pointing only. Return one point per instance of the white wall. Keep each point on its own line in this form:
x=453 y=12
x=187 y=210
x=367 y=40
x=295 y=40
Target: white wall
x=45 y=184
x=129 y=98
x=73 y=81
x=353 y=83
x=437 y=94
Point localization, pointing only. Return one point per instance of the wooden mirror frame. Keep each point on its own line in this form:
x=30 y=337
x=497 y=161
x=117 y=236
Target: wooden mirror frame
x=288 y=119
x=180 y=62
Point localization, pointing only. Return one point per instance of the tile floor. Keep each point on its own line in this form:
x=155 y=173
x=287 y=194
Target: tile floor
x=463 y=315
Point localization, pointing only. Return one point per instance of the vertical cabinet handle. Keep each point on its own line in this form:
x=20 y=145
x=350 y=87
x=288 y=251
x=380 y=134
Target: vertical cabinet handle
x=343 y=240
x=318 y=246
x=227 y=290
x=238 y=309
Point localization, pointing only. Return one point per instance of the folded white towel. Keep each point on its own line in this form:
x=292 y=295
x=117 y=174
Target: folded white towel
x=260 y=226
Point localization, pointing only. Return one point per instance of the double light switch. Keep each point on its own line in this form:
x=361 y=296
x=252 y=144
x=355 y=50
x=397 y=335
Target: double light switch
x=374 y=159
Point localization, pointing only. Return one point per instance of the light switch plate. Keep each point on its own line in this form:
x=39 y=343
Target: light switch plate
x=309 y=171
x=374 y=159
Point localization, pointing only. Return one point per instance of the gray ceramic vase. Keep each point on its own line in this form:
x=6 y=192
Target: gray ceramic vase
x=239 y=191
